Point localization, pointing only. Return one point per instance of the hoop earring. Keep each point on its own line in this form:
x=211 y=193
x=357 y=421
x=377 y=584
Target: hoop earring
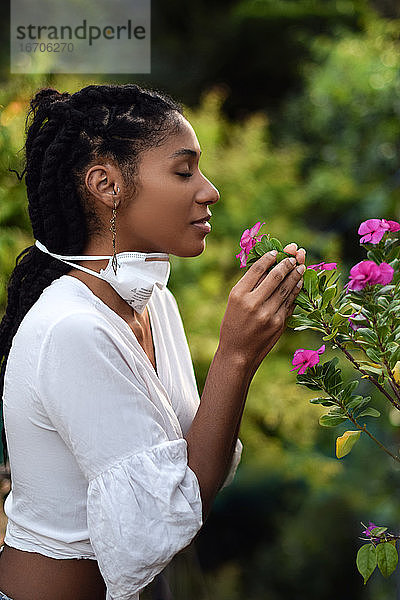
x=114 y=234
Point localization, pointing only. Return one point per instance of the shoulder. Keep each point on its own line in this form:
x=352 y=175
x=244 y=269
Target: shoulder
x=64 y=312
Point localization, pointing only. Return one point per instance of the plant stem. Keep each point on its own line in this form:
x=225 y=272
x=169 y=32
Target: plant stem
x=364 y=428
x=354 y=421
x=368 y=375
x=388 y=537
x=392 y=381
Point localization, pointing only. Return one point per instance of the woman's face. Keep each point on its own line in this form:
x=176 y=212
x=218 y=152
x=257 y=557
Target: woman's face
x=171 y=193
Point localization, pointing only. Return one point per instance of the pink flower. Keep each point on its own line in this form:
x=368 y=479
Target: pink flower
x=367 y=272
x=243 y=258
x=373 y=230
x=386 y=274
x=363 y=273
x=248 y=241
x=368 y=531
x=322 y=266
x=302 y=359
x=393 y=225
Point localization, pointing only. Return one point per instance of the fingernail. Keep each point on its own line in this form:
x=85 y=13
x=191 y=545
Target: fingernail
x=274 y=252
x=300 y=269
x=299 y=283
x=292 y=260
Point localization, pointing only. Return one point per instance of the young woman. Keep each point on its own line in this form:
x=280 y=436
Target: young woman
x=114 y=460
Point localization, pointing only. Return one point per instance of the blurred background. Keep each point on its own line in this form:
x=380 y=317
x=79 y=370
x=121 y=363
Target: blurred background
x=296 y=105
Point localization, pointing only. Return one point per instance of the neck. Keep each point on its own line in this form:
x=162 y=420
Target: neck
x=103 y=290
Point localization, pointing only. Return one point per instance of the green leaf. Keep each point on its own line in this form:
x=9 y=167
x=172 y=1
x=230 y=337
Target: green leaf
x=330 y=336
x=262 y=246
x=309 y=385
x=328 y=368
x=327 y=296
x=357 y=402
x=331 y=420
x=302 y=327
x=387 y=558
x=302 y=301
x=257 y=250
x=366 y=561
x=371 y=367
x=373 y=355
x=348 y=390
x=323 y=401
x=377 y=531
x=333 y=381
x=321 y=281
x=364 y=402
x=386 y=289
x=276 y=244
x=370 y=412
x=338 y=319
x=310 y=282
x=367 y=334
x=347 y=309
x=345 y=442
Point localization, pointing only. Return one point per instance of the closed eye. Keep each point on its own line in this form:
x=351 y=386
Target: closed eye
x=185 y=174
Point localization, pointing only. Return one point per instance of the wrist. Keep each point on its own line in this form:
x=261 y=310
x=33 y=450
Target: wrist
x=241 y=364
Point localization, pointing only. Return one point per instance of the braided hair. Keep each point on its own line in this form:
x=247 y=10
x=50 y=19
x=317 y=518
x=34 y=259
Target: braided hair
x=65 y=135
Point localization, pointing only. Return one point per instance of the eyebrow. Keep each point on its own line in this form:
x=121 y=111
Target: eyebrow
x=184 y=152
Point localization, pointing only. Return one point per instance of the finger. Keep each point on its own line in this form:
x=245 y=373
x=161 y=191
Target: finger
x=257 y=270
x=301 y=256
x=267 y=286
x=285 y=290
x=287 y=307
x=291 y=248
x=292 y=297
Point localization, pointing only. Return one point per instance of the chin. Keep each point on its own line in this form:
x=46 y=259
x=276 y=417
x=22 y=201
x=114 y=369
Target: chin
x=195 y=250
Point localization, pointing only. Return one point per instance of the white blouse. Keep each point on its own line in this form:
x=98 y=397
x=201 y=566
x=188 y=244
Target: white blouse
x=95 y=437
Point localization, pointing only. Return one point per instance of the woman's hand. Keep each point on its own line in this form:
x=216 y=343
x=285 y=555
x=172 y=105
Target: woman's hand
x=259 y=306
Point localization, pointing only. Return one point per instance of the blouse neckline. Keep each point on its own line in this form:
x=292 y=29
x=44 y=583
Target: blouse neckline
x=123 y=324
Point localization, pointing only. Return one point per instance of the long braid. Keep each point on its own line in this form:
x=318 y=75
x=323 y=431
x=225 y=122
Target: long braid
x=65 y=134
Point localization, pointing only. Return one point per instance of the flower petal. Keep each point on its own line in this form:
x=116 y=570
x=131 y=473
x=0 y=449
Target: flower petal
x=256 y=228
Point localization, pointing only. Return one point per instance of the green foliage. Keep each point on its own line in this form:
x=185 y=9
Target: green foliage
x=381 y=552
x=351 y=128
x=387 y=558
x=366 y=561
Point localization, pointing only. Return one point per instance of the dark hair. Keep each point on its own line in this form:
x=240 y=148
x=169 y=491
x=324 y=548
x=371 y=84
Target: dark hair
x=67 y=134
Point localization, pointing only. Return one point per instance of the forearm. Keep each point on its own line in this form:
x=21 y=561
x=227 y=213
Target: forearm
x=212 y=436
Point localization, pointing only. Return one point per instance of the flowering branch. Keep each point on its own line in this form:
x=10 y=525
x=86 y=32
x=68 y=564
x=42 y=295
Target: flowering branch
x=353 y=361
x=363 y=315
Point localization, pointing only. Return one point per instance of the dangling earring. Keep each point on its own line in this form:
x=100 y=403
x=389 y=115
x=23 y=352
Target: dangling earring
x=114 y=234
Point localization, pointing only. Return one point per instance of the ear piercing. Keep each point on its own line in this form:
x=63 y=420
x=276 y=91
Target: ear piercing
x=114 y=233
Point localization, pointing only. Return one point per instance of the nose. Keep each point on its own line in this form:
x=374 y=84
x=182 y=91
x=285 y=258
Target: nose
x=208 y=192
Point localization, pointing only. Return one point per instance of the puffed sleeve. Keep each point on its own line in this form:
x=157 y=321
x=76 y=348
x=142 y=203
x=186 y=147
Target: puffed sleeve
x=143 y=500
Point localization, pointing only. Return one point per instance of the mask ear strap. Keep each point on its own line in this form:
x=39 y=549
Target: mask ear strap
x=43 y=248
x=61 y=257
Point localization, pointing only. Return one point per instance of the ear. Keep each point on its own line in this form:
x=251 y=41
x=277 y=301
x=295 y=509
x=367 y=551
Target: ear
x=104 y=182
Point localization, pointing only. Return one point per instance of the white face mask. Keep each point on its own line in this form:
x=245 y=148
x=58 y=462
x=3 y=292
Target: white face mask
x=135 y=277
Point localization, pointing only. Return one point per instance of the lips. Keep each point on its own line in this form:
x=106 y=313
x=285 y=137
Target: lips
x=206 y=218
